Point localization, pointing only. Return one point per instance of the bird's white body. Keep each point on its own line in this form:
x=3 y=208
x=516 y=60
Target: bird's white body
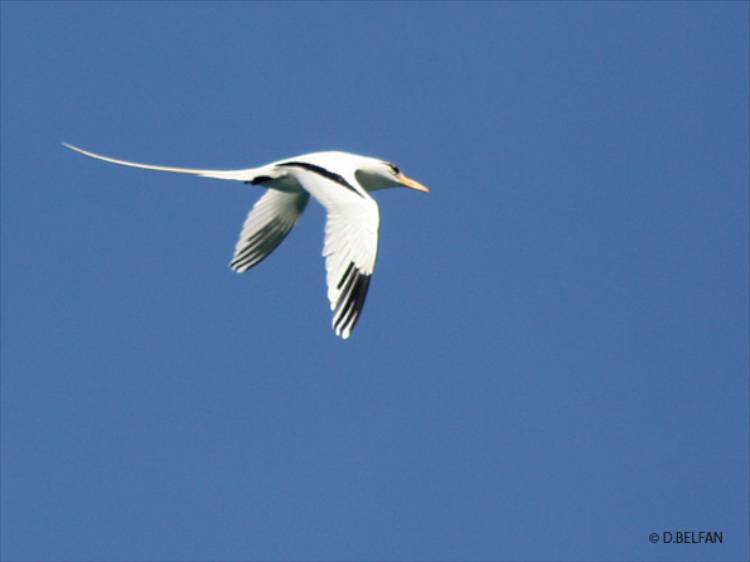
x=341 y=182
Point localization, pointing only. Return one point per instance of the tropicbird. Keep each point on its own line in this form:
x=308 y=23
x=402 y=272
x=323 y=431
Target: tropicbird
x=340 y=182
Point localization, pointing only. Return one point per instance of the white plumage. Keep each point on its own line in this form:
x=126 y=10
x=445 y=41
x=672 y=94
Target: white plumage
x=266 y=225
x=339 y=181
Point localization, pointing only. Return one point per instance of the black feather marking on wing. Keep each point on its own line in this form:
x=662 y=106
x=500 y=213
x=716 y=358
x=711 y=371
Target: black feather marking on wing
x=346 y=274
x=352 y=298
x=341 y=180
x=346 y=291
x=260 y=245
x=357 y=300
x=262 y=235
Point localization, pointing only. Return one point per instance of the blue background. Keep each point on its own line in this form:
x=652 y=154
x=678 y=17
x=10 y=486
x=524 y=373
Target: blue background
x=553 y=359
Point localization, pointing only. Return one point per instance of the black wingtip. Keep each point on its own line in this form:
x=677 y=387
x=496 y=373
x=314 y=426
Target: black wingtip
x=352 y=300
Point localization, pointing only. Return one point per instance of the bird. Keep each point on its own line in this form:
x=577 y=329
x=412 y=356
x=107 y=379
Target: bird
x=341 y=182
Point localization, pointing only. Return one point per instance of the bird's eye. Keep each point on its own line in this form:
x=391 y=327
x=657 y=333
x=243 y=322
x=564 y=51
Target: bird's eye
x=395 y=169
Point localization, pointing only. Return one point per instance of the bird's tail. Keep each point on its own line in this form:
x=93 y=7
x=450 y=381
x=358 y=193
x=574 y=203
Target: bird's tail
x=238 y=175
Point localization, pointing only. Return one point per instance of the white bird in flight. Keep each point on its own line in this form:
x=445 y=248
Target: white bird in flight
x=341 y=182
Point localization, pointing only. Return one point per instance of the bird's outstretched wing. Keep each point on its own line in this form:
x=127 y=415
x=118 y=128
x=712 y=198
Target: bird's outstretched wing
x=351 y=240
x=267 y=224
x=239 y=175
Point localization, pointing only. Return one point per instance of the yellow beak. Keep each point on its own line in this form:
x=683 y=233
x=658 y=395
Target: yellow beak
x=413 y=184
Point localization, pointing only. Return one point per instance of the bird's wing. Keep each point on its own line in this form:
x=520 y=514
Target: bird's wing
x=351 y=240
x=239 y=175
x=267 y=224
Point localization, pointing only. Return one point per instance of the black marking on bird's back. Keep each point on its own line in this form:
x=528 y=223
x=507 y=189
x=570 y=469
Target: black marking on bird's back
x=257 y=180
x=341 y=180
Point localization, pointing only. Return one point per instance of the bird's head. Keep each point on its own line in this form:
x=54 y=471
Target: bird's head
x=379 y=174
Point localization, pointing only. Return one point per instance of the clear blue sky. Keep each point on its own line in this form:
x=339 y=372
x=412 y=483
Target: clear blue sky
x=553 y=359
